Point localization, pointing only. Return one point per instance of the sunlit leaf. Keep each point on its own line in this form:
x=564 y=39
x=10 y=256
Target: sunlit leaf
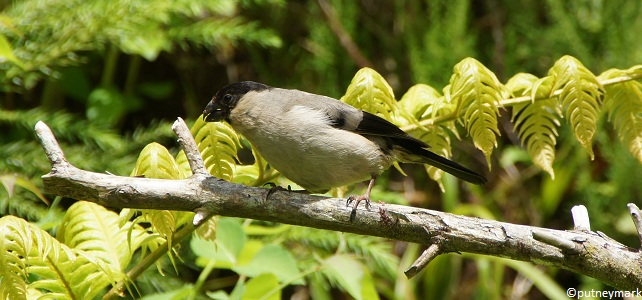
x=623 y=102
x=477 y=93
x=257 y=288
x=369 y=91
x=351 y=275
x=536 y=122
x=581 y=98
x=218 y=144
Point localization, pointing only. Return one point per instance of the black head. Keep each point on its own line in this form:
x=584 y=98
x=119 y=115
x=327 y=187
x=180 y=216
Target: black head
x=226 y=99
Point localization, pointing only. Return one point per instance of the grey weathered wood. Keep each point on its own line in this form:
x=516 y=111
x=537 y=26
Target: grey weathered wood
x=583 y=252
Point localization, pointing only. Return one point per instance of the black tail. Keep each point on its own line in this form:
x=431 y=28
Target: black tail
x=452 y=167
x=414 y=151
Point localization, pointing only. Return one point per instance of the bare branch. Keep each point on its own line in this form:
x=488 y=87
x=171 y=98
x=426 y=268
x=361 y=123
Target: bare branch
x=596 y=256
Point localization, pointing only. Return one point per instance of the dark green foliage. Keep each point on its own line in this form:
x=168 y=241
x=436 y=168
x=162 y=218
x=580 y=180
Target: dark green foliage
x=109 y=77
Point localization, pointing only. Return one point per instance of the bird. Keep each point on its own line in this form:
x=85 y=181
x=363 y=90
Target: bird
x=319 y=142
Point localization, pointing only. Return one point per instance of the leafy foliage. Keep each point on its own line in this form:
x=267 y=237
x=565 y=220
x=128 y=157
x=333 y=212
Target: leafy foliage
x=623 y=103
x=370 y=92
x=581 y=98
x=477 y=93
x=178 y=51
x=536 y=121
x=87 y=256
x=41 y=43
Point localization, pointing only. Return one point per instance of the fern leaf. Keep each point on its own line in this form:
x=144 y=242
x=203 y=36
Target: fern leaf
x=218 y=144
x=536 y=122
x=581 y=98
x=94 y=230
x=15 y=244
x=62 y=272
x=623 y=102
x=422 y=102
x=476 y=90
x=369 y=91
x=164 y=222
x=207 y=231
x=522 y=83
x=155 y=161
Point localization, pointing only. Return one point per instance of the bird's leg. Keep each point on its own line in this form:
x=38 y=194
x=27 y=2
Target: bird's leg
x=363 y=197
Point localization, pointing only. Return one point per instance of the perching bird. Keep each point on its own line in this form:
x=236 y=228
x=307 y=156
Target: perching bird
x=319 y=142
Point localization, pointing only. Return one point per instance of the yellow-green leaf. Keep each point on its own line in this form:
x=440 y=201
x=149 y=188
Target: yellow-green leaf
x=536 y=122
x=369 y=91
x=477 y=92
x=581 y=98
x=155 y=161
x=218 y=144
x=623 y=102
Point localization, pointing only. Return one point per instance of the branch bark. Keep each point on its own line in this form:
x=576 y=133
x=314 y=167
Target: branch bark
x=579 y=251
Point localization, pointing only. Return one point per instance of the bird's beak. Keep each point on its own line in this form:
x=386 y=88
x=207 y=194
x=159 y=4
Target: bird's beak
x=213 y=112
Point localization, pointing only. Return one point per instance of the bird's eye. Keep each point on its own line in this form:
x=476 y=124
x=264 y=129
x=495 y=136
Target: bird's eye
x=227 y=98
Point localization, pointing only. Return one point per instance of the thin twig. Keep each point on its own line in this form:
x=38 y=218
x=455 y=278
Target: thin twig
x=51 y=146
x=424 y=259
x=186 y=140
x=581 y=218
x=343 y=36
x=637 y=219
x=555 y=241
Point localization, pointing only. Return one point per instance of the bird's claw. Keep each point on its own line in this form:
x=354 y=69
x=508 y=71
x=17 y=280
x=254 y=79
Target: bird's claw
x=274 y=188
x=357 y=200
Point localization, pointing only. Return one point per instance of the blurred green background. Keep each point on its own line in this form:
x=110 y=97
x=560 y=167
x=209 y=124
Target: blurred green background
x=109 y=77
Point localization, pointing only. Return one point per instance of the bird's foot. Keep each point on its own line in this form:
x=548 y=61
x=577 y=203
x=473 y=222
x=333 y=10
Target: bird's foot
x=357 y=200
x=274 y=188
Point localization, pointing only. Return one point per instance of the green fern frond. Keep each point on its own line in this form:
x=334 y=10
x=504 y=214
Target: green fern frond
x=215 y=32
x=218 y=144
x=155 y=161
x=15 y=245
x=64 y=273
x=581 y=98
x=477 y=92
x=207 y=231
x=536 y=122
x=422 y=102
x=369 y=91
x=94 y=230
x=623 y=102
x=256 y=174
x=164 y=222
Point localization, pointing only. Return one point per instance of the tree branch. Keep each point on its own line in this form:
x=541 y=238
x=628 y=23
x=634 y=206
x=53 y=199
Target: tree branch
x=592 y=254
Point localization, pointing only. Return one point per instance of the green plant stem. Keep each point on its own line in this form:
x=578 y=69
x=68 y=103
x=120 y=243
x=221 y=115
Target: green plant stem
x=202 y=278
x=513 y=101
x=149 y=260
x=109 y=70
x=132 y=75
